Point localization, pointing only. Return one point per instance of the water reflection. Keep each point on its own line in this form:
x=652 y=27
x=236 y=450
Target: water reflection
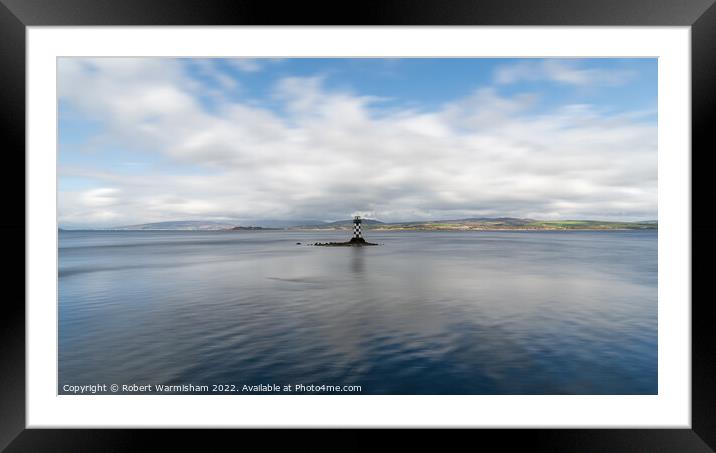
x=447 y=313
x=357 y=260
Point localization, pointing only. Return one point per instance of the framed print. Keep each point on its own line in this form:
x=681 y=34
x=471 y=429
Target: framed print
x=234 y=223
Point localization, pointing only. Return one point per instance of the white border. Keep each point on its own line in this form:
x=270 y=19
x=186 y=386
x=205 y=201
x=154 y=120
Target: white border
x=670 y=408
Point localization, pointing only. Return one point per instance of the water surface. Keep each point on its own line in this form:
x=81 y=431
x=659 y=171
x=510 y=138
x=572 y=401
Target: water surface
x=510 y=312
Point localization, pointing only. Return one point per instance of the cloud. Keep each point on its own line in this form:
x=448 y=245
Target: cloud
x=104 y=196
x=209 y=68
x=560 y=71
x=251 y=64
x=94 y=206
x=326 y=154
x=245 y=64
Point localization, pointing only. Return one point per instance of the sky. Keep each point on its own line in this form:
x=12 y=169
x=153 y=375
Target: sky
x=233 y=140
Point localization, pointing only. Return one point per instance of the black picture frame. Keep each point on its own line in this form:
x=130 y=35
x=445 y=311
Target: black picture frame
x=16 y=15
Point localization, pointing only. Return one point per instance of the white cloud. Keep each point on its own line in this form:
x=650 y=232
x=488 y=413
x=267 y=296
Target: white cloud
x=562 y=71
x=246 y=64
x=104 y=196
x=93 y=206
x=331 y=154
x=209 y=68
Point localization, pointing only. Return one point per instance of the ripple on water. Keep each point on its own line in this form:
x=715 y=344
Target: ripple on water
x=443 y=313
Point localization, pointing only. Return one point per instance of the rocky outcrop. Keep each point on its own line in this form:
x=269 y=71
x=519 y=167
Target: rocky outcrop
x=354 y=242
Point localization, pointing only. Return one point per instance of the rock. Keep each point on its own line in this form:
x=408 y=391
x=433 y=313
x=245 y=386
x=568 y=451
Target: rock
x=354 y=242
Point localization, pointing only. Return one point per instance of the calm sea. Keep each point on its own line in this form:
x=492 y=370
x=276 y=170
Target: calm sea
x=510 y=312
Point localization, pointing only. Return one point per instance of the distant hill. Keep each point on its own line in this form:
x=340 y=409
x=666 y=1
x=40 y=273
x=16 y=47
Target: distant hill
x=592 y=225
x=421 y=224
x=488 y=223
x=503 y=221
x=271 y=223
x=349 y=222
x=507 y=223
x=189 y=225
x=252 y=228
x=473 y=223
x=207 y=225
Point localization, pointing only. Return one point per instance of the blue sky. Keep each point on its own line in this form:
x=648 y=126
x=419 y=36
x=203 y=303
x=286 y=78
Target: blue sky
x=155 y=139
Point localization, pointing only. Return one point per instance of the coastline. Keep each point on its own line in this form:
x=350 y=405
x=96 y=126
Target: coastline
x=381 y=230
x=475 y=229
